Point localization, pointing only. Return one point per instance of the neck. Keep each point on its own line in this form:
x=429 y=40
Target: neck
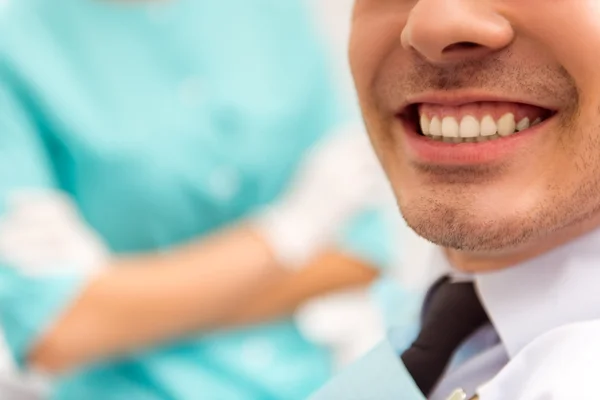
x=472 y=262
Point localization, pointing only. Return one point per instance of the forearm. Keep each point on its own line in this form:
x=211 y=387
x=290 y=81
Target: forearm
x=143 y=301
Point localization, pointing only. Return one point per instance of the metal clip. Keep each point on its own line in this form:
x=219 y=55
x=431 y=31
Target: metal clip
x=458 y=394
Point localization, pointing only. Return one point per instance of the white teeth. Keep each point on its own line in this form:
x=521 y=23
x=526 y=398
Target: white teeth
x=435 y=127
x=523 y=124
x=425 y=124
x=507 y=125
x=488 y=126
x=469 y=127
x=450 y=127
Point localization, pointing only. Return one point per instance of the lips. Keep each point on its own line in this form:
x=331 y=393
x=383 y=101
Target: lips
x=474 y=122
x=469 y=132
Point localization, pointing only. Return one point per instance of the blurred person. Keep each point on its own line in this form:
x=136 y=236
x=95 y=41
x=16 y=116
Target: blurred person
x=155 y=197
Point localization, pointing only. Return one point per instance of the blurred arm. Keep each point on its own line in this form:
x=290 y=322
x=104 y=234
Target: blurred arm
x=145 y=300
x=148 y=300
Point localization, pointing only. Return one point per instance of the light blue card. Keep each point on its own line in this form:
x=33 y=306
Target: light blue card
x=380 y=375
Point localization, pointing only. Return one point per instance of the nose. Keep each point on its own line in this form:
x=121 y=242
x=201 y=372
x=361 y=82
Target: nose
x=447 y=31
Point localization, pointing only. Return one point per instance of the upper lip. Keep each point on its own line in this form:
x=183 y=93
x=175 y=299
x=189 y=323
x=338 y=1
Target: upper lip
x=458 y=98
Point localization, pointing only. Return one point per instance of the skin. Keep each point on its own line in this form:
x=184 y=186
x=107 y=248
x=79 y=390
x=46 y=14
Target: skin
x=542 y=52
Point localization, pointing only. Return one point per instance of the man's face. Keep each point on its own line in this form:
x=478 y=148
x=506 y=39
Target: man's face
x=484 y=113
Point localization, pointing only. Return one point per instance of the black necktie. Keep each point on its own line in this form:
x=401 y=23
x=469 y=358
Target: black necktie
x=452 y=312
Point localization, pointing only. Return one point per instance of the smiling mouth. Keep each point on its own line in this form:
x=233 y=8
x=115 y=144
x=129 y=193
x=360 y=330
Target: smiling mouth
x=473 y=122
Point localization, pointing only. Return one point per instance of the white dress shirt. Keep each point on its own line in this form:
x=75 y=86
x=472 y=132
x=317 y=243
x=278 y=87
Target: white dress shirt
x=544 y=341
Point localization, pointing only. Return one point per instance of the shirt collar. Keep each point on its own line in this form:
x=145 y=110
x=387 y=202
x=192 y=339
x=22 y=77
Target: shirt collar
x=532 y=298
x=557 y=288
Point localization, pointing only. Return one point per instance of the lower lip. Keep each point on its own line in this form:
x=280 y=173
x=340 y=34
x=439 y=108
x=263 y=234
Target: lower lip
x=426 y=150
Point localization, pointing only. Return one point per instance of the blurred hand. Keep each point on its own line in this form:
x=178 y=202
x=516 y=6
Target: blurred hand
x=339 y=178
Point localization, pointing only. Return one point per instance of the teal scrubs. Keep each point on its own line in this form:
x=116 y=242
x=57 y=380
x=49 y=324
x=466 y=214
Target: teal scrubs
x=165 y=121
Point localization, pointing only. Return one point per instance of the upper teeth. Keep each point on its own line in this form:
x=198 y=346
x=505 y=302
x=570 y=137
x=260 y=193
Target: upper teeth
x=471 y=127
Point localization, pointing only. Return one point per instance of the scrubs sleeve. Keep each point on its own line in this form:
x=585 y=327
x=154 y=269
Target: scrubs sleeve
x=29 y=303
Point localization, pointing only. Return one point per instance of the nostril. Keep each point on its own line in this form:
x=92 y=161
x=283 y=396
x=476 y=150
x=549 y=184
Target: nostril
x=461 y=46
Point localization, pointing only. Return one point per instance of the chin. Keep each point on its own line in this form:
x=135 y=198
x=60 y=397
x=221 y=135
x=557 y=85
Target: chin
x=468 y=230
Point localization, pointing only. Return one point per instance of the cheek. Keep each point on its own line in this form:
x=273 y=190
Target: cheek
x=374 y=37
x=568 y=29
